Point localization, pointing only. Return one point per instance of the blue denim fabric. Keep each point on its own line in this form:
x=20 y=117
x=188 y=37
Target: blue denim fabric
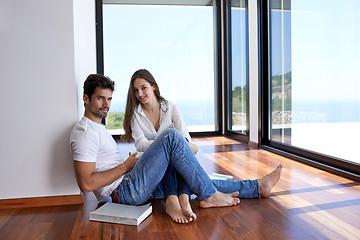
x=169 y=181
x=173 y=183
x=183 y=186
x=145 y=180
x=246 y=188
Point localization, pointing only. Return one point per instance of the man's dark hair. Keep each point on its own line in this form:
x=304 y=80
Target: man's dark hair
x=97 y=80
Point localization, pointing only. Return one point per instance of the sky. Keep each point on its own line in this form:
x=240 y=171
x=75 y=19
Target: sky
x=325 y=43
x=174 y=43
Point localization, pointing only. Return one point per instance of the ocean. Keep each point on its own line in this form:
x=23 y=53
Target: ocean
x=193 y=112
x=330 y=111
x=203 y=112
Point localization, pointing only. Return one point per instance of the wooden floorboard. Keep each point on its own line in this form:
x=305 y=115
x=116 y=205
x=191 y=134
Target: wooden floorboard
x=307 y=203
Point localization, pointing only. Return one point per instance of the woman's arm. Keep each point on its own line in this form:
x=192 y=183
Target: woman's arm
x=141 y=142
x=194 y=147
x=179 y=124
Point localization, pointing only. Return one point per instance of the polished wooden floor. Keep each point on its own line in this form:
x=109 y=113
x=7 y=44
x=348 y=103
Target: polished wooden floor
x=307 y=203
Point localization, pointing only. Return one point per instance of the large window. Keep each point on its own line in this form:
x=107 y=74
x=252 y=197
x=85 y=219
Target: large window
x=238 y=67
x=314 y=80
x=175 y=43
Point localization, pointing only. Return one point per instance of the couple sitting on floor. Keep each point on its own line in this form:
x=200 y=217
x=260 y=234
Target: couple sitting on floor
x=168 y=167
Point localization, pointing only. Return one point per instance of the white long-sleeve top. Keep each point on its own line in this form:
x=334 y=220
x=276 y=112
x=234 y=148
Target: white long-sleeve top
x=143 y=130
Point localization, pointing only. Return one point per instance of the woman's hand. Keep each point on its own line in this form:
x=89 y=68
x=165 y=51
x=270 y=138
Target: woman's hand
x=194 y=147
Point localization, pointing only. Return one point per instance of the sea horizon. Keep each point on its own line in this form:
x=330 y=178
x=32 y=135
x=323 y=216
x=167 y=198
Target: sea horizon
x=203 y=112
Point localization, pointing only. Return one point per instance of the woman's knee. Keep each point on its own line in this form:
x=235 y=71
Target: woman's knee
x=172 y=132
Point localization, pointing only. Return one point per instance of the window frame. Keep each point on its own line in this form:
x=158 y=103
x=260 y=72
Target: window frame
x=331 y=164
x=228 y=75
x=218 y=62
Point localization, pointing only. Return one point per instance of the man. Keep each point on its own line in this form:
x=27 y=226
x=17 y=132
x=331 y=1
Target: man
x=100 y=168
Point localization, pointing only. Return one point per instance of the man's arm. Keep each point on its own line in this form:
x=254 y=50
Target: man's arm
x=89 y=180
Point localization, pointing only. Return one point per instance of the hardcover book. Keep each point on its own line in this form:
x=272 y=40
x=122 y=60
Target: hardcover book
x=120 y=213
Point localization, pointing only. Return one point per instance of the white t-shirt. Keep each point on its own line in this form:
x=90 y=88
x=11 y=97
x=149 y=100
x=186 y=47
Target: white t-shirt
x=91 y=142
x=143 y=130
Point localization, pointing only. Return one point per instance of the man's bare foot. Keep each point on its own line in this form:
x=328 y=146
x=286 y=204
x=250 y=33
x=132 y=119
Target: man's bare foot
x=220 y=199
x=186 y=207
x=267 y=182
x=173 y=209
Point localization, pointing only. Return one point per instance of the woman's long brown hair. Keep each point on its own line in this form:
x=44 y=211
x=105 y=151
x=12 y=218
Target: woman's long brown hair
x=132 y=102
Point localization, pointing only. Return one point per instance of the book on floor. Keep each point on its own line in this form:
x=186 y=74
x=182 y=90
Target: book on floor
x=120 y=213
x=218 y=176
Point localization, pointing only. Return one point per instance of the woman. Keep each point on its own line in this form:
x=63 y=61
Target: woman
x=152 y=113
x=147 y=115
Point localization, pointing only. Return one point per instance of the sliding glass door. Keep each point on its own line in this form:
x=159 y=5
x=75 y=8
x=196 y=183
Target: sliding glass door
x=314 y=77
x=237 y=65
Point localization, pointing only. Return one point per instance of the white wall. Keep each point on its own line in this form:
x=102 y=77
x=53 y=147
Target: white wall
x=38 y=93
x=85 y=46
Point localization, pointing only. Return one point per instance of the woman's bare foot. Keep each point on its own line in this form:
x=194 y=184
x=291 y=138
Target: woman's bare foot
x=267 y=182
x=220 y=199
x=186 y=207
x=173 y=209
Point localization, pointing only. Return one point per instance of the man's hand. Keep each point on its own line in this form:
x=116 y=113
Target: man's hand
x=131 y=161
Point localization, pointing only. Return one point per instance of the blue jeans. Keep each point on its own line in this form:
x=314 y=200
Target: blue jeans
x=173 y=183
x=145 y=180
